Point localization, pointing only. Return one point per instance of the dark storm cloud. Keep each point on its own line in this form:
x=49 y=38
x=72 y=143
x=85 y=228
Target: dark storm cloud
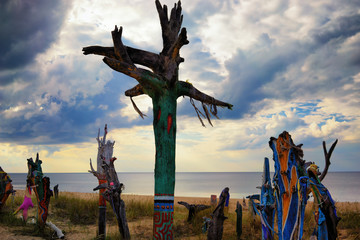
x=26 y=29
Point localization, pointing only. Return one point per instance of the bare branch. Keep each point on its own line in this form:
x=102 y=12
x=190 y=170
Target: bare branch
x=142 y=115
x=135 y=91
x=137 y=56
x=327 y=158
x=119 y=48
x=187 y=89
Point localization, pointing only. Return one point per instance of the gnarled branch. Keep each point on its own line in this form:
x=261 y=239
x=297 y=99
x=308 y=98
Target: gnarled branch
x=137 y=56
x=327 y=158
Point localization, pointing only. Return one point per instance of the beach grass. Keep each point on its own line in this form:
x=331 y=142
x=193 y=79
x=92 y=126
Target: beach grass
x=77 y=215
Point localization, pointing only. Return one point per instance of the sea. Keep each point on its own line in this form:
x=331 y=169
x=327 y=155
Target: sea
x=343 y=186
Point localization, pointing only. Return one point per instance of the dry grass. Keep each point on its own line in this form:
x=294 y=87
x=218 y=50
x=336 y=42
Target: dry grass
x=76 y=214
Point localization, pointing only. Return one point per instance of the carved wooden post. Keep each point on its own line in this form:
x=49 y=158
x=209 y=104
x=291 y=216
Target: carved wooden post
x=215 y=231
x=42 y=189
x=162 y=84
x=6 y=187
x=288 y=169
x=105 y=152
x=109 y=186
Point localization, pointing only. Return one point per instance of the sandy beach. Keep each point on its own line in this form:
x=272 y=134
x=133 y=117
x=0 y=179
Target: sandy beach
x=141 y=227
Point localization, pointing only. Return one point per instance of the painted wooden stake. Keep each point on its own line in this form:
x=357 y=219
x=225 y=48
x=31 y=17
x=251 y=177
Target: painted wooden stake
x=267 y=203
x=109 y=186
x=42 y=189
x=163 y=86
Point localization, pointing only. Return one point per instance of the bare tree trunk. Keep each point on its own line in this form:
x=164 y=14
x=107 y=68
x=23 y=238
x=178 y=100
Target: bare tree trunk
x=162 y=84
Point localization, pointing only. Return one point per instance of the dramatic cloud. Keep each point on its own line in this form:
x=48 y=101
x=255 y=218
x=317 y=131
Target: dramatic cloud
x=283 y=65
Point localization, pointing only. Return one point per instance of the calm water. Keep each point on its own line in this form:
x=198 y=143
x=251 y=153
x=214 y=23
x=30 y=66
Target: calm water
x=343 y=186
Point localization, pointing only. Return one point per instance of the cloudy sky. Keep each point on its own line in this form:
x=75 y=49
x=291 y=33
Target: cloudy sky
x=284 y=65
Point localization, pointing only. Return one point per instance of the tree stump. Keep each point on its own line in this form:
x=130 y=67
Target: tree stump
x=215 y=230
x=193 y=209
x=6 y=187
x=42 y=189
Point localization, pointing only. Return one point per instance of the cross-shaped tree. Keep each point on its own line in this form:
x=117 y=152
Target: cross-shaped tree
x=163 y=86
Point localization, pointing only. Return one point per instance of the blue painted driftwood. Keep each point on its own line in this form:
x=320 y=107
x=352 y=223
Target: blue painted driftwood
x=288 y=169
x=293 y=180
x=267 y=204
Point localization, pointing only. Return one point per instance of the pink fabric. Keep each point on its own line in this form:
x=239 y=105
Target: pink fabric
x=26 y=203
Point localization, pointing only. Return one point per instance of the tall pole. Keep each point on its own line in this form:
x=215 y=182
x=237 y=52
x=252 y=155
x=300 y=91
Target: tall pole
x=163 y=86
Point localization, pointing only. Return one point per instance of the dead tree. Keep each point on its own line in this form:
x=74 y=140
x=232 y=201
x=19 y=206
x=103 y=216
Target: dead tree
x=215 y=230
x=161 y=83
x=109 y=185
x=193 y=209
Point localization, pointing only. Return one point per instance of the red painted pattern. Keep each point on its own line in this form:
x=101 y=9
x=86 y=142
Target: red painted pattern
x=159 y=115
x=163 y=225
x=102 y=200
x=169 y=123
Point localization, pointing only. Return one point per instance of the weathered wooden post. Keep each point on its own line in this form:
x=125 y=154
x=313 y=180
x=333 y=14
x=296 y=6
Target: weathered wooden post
x=162 y=84
x=238 y=219
x=193 y=209
x=42 y=188
x=105 y=152
x=56 y=191
x=112 y=193
x=6 y=187
x=215 y=231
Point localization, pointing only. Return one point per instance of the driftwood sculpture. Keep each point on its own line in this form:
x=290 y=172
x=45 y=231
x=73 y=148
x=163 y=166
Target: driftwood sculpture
x=6 y=187
x=193 y=209
x=215 y=230
x=109 y=185
x=42 y=188
x=105 y=152
x=293 y=180
x=161 y=83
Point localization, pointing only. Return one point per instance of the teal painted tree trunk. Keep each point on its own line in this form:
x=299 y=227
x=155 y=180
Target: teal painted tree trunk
x=161 y=83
